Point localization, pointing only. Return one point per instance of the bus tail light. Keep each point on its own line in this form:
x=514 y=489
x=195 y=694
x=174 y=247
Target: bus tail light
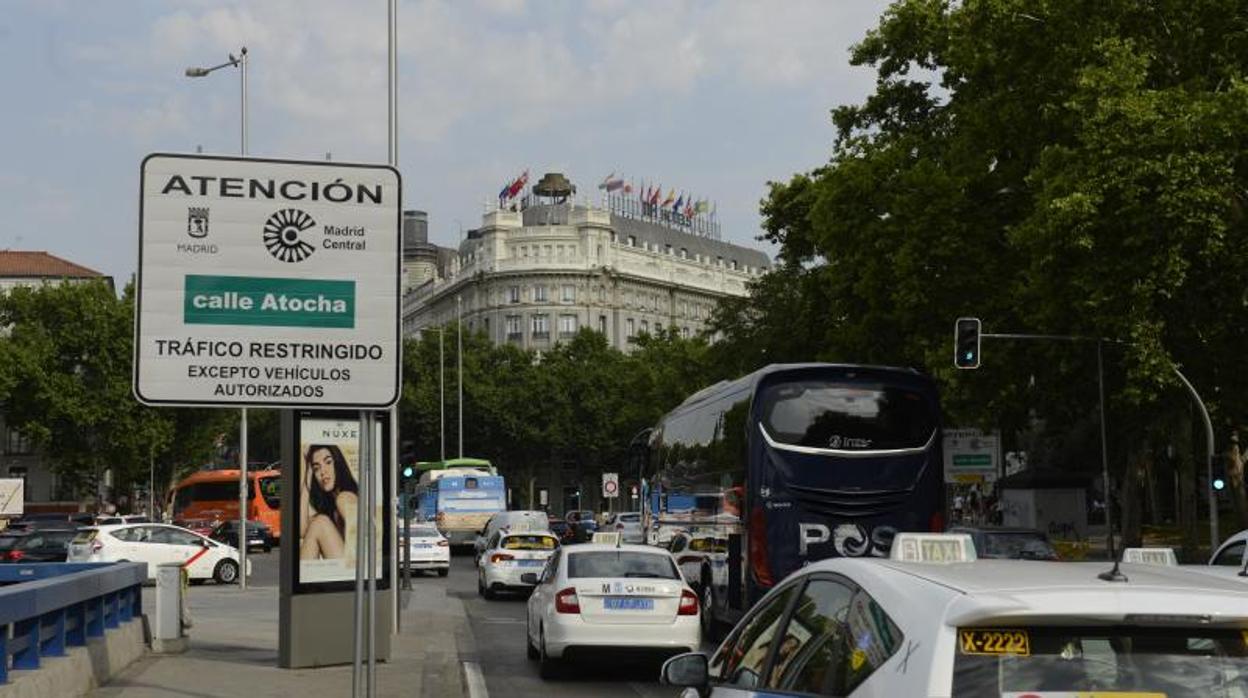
x=688 y=604
x=502 y=557
x=937 y=523
x=759 y=561
x=566 y=601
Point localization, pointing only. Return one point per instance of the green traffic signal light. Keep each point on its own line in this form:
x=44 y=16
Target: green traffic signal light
x=408 y=470
x=966 y=342
x=1219 y=484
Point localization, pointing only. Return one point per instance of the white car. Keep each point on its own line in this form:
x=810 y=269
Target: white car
x=609 y=600
x=517 y=521
x=1233 y=552
x=154 y=544
x=508 y=556
x=428 y=549
x=934 y=621
x=628 y=525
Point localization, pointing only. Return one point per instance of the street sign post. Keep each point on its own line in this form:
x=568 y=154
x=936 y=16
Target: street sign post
x=267 y=283
x=610 y=485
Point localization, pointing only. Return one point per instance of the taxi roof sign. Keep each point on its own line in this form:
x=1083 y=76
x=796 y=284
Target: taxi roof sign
x=939 y=548
x=1150 y=556
x=606 y=538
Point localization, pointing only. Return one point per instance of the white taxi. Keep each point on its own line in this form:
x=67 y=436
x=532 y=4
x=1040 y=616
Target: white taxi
x=154 y=544
x=934 y=621
x=506 y=557
x=428 y=549
x=618 y=601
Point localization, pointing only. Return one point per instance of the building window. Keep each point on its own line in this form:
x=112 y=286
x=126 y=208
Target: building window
x=567 y=326
x=546 y=251
x=733 y=265
x=684 y=332
x=602 y=324
x=16 y=443
x=485 y=324
x=684 y=253
x=541 y=326
x=645 y=327
x=719 y=261
x=658 y=328
x=632 y=328
x=667 y=249
x=559 y=250
x=632 y=240
x=539 y=294
x=513 y=327
x=513 y=294
x=684 y=308
x=602 y=294
x=569 y=293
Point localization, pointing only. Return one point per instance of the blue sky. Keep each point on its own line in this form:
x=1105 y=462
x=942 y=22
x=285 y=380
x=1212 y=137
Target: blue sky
x=713 y=98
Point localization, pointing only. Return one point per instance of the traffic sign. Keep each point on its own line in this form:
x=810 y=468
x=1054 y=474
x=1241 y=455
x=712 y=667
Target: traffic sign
x=610 y=485
x=267 y=283
x=971 y=456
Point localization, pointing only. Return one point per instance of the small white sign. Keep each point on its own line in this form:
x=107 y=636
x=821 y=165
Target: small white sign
x=971 y=456
x=12 y=496
x=610 y=485
x=267 y=283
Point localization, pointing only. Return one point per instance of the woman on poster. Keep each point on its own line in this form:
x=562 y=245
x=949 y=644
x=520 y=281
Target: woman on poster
x=330 y=496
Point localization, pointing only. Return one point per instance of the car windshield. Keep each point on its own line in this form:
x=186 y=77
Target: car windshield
x=1052 y=661
x=423 y=531
x=9 y=540
x=1017 y=546
x=621 y=563
x=529 y=543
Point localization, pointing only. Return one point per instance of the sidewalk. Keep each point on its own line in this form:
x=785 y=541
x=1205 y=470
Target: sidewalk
x=233 y=652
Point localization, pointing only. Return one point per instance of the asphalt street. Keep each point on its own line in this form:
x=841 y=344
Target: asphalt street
x=498 y=628
x=498 y=631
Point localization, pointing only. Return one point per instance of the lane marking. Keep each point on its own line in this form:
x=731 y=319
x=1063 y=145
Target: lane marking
x=475 y=680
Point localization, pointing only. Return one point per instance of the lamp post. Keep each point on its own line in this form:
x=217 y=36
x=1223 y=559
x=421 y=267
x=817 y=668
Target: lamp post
x=239 y=62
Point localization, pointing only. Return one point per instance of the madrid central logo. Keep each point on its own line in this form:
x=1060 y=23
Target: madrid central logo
x=281 y=235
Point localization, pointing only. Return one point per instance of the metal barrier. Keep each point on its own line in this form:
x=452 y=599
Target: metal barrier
x=52 y=605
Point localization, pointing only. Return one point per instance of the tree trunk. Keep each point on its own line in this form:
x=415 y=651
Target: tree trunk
x=1186 y=465
x=1131 y=500
x=1235 y=482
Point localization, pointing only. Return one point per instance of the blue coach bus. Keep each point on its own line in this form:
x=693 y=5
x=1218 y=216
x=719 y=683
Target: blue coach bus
x=791 y=464
x=460 y=496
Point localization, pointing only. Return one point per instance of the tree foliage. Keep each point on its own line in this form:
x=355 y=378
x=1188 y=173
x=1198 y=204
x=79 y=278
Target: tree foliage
x=1067 y=168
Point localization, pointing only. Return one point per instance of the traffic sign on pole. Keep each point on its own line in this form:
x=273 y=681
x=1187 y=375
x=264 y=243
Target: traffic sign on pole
x=268 y=283
x=610 y=485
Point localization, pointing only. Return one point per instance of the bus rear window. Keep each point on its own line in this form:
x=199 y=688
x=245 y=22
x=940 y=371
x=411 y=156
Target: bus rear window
x=271 y=491
x=1138 y=661
x=819 y=414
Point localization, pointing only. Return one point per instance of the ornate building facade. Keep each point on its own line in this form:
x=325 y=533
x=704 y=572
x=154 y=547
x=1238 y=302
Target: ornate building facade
x=535 y=276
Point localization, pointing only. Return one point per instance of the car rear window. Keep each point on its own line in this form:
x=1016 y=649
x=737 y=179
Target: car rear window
x=1175 y=662
x=530 y=543
x=621 y=563
x=630 y=518
x=1018 y=546
x=85 y=536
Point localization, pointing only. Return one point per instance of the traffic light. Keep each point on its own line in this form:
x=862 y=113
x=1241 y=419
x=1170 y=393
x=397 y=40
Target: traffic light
x=966 y=342
x=408 y=471
x=1218 y=483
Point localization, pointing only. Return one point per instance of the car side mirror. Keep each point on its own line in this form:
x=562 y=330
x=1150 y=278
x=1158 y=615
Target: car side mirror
x=688 y=670
x=529 y=578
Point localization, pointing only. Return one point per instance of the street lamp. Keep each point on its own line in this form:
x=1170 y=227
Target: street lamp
x=239 y=62
x=244 y=484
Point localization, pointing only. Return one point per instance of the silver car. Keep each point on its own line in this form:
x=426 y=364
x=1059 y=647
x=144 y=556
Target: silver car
x=628 y=525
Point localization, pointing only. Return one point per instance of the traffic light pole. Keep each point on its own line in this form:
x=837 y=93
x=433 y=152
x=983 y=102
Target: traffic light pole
x=1204 y=413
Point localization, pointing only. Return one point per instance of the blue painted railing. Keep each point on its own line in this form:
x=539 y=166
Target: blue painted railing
x=54 y=605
